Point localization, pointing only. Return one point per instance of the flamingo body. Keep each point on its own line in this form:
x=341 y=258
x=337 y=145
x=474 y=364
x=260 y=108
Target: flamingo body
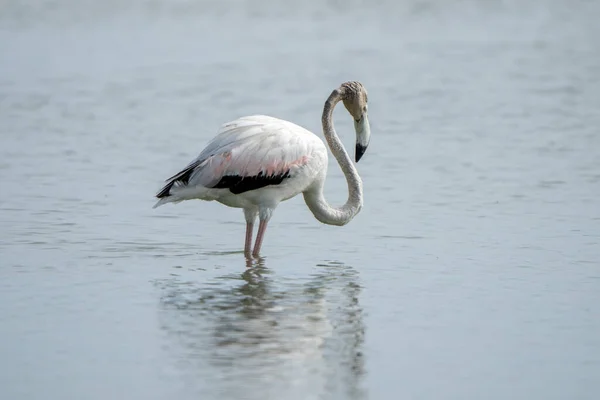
x=254 y=162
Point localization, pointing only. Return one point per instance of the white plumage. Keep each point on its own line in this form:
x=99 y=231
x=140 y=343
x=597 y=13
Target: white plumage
x=258 y=161
x=247 y=147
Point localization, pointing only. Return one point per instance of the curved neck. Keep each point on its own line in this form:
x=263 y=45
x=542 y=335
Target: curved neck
x=314 y=198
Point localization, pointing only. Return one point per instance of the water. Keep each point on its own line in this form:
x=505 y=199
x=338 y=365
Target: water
x=472 y=271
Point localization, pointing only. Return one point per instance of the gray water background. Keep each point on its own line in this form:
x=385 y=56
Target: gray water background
x=473 y=271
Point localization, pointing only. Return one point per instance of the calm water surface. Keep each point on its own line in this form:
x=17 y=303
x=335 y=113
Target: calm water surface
x=473 y=270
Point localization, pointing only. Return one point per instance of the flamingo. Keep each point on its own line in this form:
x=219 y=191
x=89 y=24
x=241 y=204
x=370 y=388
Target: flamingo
x=256 y=162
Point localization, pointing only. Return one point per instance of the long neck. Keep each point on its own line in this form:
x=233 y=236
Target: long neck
x=314 y=198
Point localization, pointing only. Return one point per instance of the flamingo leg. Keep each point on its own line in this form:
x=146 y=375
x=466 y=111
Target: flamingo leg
x=262 y=227
x=250 y=215
x=248 y=245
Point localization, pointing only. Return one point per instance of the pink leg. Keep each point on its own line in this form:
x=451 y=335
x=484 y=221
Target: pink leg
x=262 y=227
x=248 y=245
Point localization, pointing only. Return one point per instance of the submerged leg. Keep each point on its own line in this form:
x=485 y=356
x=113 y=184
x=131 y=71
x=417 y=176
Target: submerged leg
x=250 y=214
x=262 y=227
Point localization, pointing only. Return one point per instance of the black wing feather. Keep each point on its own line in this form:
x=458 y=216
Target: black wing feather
x=235 y=183
x=239 y=184
x=182 y=177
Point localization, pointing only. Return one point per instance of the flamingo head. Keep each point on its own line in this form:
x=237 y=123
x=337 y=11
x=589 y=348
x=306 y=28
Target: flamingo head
x=354 y=96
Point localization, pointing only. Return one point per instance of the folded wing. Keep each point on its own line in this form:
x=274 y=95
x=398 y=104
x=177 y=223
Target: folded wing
x=247 y=154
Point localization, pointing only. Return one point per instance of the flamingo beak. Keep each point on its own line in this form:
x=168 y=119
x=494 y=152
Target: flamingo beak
x=363 y=135
x=360 y=150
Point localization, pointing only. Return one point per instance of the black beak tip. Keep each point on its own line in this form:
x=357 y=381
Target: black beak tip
x=360 y=150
